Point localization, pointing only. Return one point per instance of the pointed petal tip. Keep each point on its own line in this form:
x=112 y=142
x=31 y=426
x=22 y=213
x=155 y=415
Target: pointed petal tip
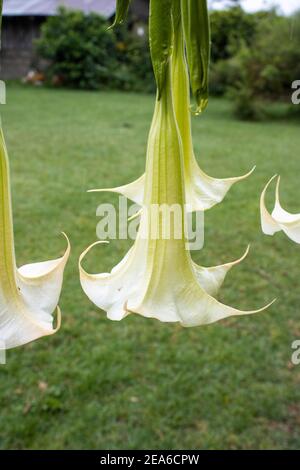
x=85 y=252
x=262 y=197
x=68 y=243
x=135 y=215
x=251 y=171
x=277 y=190
x=244 y=255
x=98 y=190
x=239 y=260
x=236 y=179
x=271 y=179
x=246 y=175
x=263 y=308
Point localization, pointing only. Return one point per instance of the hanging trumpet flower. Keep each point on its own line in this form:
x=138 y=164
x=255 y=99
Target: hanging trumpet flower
x=157 y=278
x=202 y=191
x=280 y=219
x=28 y=295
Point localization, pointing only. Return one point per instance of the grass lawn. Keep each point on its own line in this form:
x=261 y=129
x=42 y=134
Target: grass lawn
x=140 y=383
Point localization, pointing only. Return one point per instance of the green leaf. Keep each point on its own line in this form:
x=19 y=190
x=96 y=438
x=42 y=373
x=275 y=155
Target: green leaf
x=1 y=7
x=121 y=12
x=197 y=37
x=160 y=37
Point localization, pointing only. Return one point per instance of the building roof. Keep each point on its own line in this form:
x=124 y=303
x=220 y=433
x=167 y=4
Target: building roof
x=105 y=8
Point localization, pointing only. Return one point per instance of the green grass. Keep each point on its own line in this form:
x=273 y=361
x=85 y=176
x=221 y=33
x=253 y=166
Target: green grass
x=140 y=383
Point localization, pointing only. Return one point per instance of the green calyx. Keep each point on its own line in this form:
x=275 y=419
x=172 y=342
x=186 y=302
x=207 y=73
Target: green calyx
x=161 y=39
x=167 y=17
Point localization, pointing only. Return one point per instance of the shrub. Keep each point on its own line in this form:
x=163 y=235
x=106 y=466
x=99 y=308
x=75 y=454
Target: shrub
x=223 y=75
x=133 y=56
x=231 y=28
x=79 y=50
x=262 y=70
x=245 y=106
x=140 y=65
x=272 y=62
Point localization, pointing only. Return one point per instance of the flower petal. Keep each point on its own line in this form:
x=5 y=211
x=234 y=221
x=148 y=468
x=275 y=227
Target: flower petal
x=173 y=297
x=133 y=191
x=40 y=283
x=110 y=291
x=211 y=279
x=280 y=219
x=18 y=325
x=27 y=313
x=268 y=224
x=203 y=191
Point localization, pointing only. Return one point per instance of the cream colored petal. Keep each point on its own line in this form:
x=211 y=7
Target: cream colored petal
x=204 y=191
x=110 y=291
x=189 y=308
x=26 y=313
x=268 y=224
x=19 y=326
x=211 y=279
x=40 y=284
x=280 y=219
x=290 y=223
x=133 y=191
x=179 y=298
x=172 y=296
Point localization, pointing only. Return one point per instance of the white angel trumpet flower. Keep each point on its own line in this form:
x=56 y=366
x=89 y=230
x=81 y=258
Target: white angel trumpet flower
x=202 y=191
x=279 y=219
x=28 y=295
x=157 y=278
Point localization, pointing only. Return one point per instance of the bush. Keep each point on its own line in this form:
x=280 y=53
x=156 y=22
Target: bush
x=245 y=106
x=140 y=65
x=230 y=29
x=223 y=75
x=272 y=62
x=260 y=70
x=133 y=56
x=79 y=50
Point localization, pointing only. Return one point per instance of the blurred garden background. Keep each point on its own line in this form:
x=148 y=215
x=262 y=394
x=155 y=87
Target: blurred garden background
x=77 y=117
